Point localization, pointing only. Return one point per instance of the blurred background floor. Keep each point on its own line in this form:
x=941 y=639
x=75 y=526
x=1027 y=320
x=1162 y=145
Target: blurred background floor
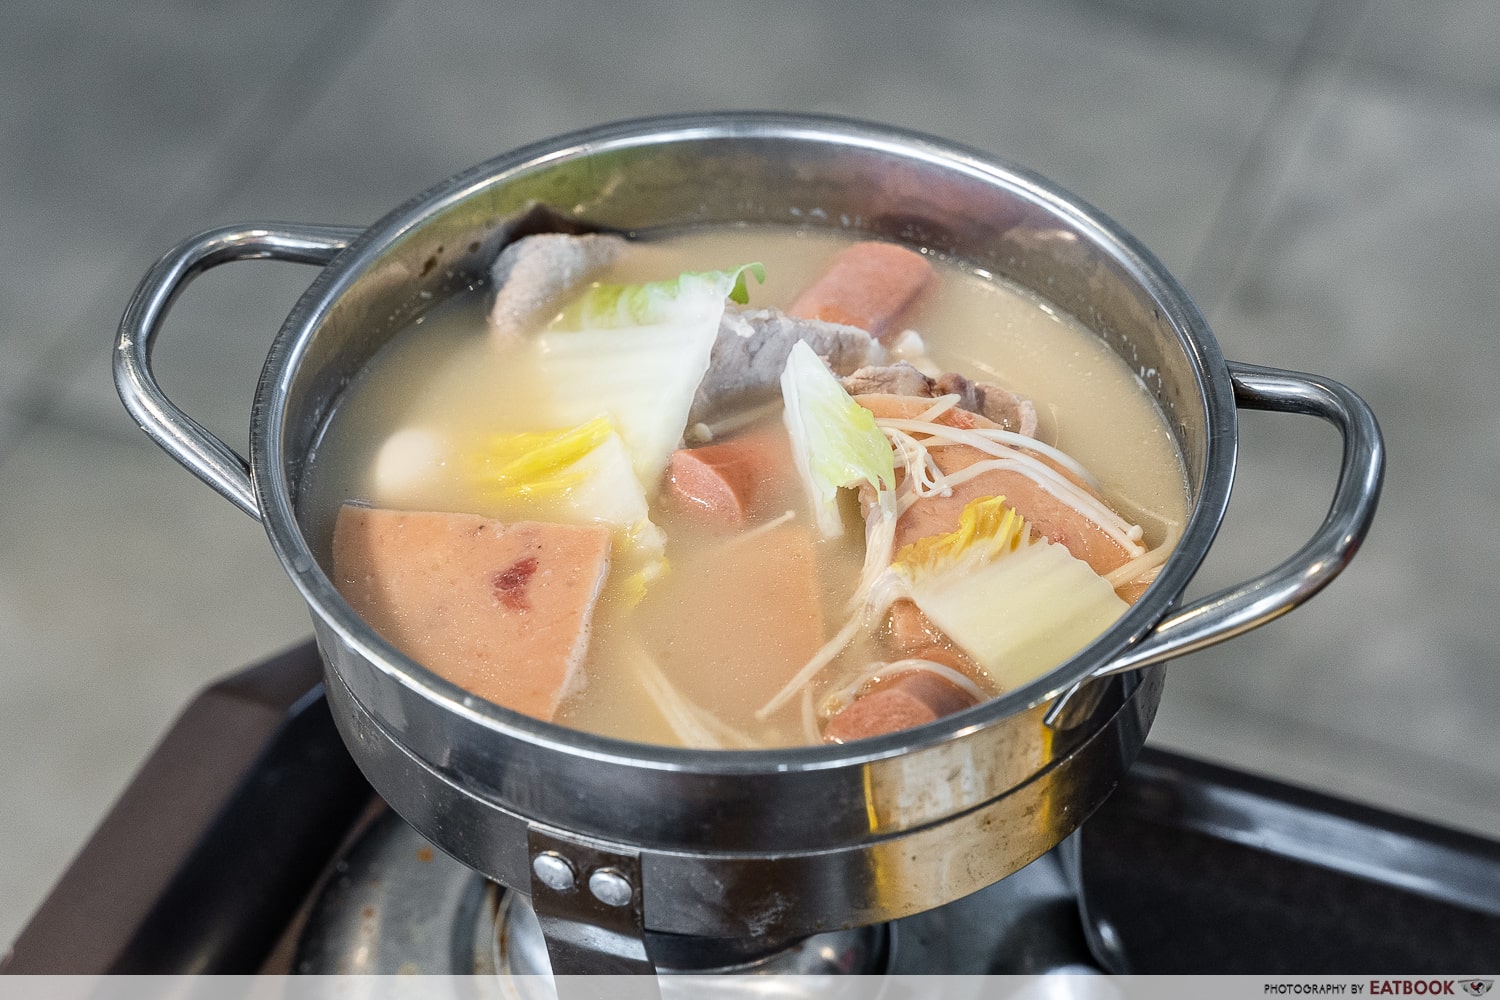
x=1321 y=174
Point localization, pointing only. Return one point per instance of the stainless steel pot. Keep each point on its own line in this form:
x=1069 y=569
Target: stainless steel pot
x=629 y=839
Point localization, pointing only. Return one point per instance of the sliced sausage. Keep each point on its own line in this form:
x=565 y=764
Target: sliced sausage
x=1048 y=516
x=868 y=285
x=910 y=698
x=536 y=275
x=908 y=630
x=727 y=484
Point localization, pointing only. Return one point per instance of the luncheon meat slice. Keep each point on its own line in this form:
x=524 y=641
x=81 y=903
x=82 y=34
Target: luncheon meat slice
x=751 y=351
x=1048 y=516
x=503 y=611
x=732 y=623
x=1005 y=409
x=868 y=285
x=534 y=276
x=907 y=699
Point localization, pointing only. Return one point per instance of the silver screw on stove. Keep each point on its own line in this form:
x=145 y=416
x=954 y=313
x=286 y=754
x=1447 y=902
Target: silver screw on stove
x=610 y=887
x=554 y=871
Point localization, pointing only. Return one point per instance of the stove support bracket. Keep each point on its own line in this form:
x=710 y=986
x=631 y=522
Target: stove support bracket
x=587 y=896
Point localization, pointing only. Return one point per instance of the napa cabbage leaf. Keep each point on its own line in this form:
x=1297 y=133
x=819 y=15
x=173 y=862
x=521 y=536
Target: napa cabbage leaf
x=835 y=442
x=636 y=354
x=1018 y=604
x=577 y=475
x=608 y=307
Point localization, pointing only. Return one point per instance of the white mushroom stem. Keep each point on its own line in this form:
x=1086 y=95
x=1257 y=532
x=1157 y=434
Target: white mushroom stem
x=902 y=433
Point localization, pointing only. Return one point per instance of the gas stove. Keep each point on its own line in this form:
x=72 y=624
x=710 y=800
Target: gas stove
x=249 y=842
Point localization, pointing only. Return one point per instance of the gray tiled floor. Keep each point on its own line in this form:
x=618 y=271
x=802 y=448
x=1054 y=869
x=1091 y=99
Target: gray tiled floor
x=1321 y=174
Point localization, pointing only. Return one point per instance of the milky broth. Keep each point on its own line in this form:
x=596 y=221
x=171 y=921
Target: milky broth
x=442 y=374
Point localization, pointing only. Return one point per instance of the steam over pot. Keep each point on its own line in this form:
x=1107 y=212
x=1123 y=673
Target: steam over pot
x=735 y=843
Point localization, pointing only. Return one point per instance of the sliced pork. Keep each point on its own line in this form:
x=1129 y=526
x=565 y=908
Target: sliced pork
x=751 y=351
x=899 y=379
x=1005 y=409
x=535 y=275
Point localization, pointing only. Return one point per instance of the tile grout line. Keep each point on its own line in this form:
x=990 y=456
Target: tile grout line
x=325 y=55
x=1258 y=178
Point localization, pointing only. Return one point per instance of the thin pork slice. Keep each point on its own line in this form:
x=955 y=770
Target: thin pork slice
x=899 y=379
x=502 y=611
x=1005 y=408
x=535 y=276
x=1001 y=406
x=751 y=351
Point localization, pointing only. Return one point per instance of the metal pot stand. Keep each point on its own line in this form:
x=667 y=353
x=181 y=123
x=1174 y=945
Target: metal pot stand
x=1188 y=867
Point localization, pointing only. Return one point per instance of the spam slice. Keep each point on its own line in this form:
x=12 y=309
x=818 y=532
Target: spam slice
x=749 y=616
x=868 y=285
x=502 y=611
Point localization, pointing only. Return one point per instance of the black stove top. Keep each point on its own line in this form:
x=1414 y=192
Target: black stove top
x=224 y=855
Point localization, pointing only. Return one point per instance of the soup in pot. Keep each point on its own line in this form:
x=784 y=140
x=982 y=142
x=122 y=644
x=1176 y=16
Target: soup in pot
x=743 y=487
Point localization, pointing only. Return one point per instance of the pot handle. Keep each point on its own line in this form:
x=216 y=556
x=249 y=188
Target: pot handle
x=1239 y=609
x=182 y=437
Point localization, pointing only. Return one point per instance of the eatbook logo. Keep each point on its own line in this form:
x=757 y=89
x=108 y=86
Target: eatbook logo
x=1478 y=987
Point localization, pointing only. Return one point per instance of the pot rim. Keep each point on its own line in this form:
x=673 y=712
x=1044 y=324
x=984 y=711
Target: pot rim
x=273 y=490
